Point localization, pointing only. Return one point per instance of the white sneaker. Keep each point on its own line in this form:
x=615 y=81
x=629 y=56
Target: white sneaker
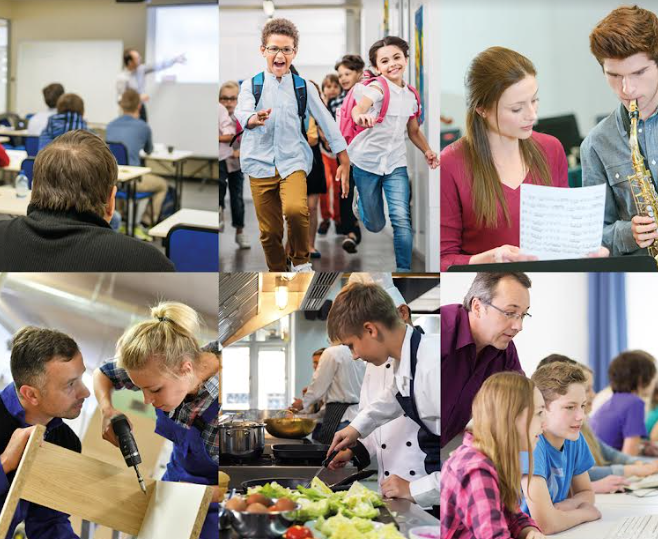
x=242 y=241
x=355 y=204
x=302 y=268
x=221 y=219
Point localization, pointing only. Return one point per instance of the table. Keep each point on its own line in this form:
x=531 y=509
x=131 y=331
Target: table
x=16 y=158
x=201 y=218
x=10 y=204
x=177 y=159
x=13 y=132
x=129 y=175
x=613 y=507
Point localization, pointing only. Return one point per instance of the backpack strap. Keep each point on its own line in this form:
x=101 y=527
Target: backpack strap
x=387 y=97
x=417 y=96
x=257 y=82
x=301 y=94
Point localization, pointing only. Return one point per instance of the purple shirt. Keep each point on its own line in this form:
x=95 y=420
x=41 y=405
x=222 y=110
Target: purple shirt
x=622 y=416
x=462 y=373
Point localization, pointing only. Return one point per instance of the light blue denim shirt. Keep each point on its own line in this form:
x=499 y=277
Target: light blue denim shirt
x=279 y=143
x=605 y=157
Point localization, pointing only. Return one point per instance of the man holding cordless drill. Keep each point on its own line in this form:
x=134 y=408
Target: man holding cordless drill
x=47 y=368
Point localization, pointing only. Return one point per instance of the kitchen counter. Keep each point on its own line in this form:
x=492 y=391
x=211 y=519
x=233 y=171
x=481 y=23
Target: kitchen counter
x=407 y=515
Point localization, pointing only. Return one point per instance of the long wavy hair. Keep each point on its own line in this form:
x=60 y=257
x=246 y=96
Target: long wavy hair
x=491 y=73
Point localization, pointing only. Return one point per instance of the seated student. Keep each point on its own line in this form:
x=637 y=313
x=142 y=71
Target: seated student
x=560 y=495
x=651 y=421
x=620 y=421
x=481 y=481
x=135 y=134
x=38 y=121
x=612 y=466
x=47 y=369
x=70 y=112
x=364 y=318
x=66 y=227
x=481 y=173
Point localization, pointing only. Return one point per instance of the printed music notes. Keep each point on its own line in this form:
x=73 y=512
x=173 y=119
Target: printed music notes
x=559 y=223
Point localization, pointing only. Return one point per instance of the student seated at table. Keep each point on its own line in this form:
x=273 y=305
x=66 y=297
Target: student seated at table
x=560 y=494
x=619 y=422
x=70 y=112
x=612 y=467
x=136 y=135
x=38 y=121
x=67 y=223
x=481 y=481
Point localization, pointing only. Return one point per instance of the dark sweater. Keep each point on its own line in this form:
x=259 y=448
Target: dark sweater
x=68 y=241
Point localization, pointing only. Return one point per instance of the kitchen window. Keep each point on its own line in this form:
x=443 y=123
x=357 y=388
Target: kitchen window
x=255 y=370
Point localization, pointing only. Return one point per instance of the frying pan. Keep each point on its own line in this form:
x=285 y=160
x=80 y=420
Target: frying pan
x=293 y=482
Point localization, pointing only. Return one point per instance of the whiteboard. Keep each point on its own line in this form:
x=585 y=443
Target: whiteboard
x=87 y=68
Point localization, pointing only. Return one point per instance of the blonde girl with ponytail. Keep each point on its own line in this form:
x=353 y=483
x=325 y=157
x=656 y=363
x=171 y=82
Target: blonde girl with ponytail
x=161 y=357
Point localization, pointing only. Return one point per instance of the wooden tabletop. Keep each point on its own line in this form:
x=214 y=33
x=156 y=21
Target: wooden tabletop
x=10 y=204
x=202 y=218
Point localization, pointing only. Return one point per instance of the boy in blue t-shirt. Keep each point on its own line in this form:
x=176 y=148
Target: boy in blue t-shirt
x=562 y=457
x=274 y=152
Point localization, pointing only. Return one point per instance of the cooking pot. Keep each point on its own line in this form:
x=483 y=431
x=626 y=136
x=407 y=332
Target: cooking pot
x=244 y=439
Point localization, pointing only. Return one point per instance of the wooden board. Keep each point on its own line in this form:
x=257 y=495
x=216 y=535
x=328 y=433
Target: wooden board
x=99 y=492
x=189 y=504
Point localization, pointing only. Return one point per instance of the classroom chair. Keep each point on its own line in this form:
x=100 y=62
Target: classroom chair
x=32 y=145
x=193 y=248
x=120 y=153
x=27 y=165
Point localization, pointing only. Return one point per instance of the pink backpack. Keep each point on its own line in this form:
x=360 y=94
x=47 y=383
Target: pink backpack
x=348 y=128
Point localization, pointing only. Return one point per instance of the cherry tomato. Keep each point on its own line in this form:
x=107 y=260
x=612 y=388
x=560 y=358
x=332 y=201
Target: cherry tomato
x=298 y=532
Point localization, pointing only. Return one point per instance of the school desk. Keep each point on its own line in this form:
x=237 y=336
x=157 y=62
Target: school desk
x=177 y=160
x=201 y=218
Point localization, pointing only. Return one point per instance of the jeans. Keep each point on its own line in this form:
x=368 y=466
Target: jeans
x=348 y=222
x=235 y=182
x=396 y=189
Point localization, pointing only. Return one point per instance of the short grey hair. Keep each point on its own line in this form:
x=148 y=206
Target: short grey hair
x=484 y=286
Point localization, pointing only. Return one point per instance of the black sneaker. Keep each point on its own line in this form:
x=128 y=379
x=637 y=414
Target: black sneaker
x=324 y=227
x=349 y=245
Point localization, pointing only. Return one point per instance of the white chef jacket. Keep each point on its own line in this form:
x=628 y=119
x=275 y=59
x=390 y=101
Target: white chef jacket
x=386 y=408
x=338 y=378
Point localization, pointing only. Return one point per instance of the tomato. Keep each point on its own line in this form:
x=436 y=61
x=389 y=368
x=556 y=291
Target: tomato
x=298 y=532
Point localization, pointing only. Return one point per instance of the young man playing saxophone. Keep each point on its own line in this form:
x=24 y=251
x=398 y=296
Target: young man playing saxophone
x=625 y=43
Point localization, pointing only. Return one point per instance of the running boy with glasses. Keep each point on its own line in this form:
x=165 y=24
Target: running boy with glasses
x=272 y=107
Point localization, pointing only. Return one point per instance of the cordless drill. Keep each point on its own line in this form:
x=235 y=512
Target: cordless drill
x=127 y=444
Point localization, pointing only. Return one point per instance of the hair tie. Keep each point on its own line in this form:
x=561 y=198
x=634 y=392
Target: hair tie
x=163 y=318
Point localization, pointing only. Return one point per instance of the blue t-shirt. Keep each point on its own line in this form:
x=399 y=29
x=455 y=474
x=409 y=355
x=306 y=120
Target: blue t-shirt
x=622 y=416
x=558 y=468
x=135 y=135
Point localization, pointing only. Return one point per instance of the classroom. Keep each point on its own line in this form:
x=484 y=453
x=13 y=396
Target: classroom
x=601 y=321
x=89 y=53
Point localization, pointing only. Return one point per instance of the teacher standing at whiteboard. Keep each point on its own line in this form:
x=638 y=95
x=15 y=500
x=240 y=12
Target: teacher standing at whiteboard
x=134 y=74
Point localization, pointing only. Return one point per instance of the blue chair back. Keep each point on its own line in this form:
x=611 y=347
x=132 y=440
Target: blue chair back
x=28 y=165
x=119 y=151
x=193 y=248
x=32 y=145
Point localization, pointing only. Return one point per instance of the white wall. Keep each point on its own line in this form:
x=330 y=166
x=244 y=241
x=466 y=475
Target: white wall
x=558 y=305
x=642 y=317
x=425 y=183
x=554 y=34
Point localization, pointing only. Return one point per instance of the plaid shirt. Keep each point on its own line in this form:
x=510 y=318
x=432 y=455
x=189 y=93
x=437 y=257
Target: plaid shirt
x=188 y=410
x=336 y=102
x=471 y=506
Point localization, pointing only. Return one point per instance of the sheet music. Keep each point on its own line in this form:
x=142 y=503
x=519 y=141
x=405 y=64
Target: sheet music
x=559 y=223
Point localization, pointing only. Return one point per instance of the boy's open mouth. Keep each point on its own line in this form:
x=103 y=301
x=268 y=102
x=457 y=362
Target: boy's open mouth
x=279 y=64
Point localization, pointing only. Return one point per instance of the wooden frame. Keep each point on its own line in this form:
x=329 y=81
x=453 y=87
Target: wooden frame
x=80 y=485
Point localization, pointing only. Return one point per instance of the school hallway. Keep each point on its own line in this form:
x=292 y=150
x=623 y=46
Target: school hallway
x=375 y=252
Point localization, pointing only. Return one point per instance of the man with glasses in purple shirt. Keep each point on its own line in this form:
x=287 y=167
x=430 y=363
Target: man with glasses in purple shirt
x=476 y=342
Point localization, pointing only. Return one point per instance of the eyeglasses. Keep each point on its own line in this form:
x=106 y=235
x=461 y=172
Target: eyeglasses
x=228 y=98
x=275 y=50
x=510 y=315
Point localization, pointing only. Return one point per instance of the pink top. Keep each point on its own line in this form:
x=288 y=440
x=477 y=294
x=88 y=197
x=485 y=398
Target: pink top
x=461 y=238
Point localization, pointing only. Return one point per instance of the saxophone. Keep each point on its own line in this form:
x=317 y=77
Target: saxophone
x=641 y=182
